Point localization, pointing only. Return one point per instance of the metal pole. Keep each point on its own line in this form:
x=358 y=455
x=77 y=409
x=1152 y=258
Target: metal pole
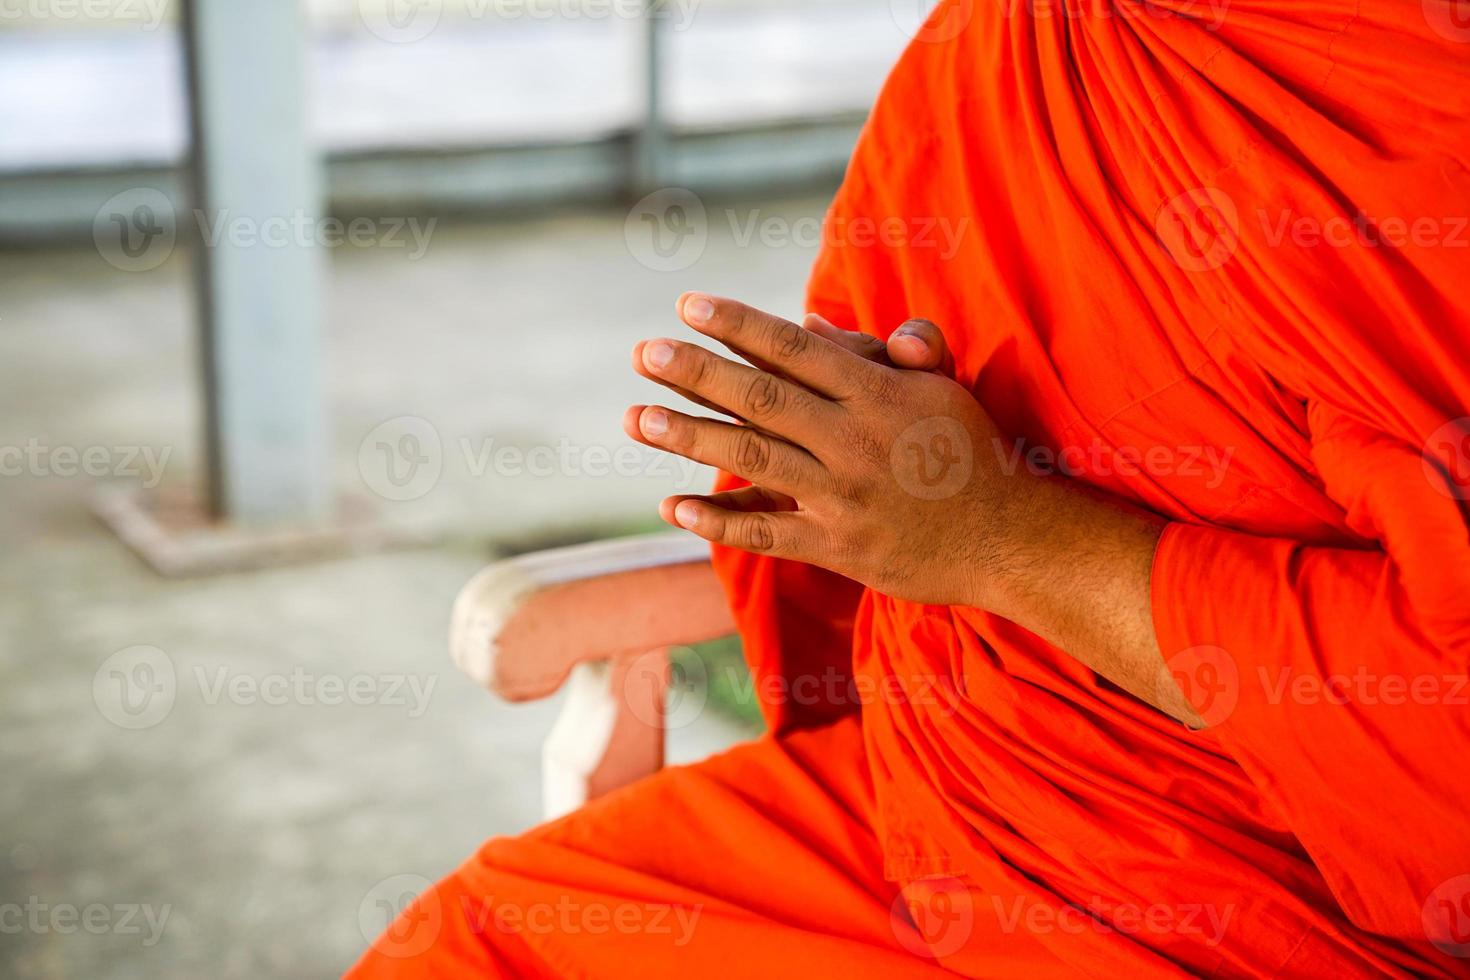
x=257 y=209
x=651 y=141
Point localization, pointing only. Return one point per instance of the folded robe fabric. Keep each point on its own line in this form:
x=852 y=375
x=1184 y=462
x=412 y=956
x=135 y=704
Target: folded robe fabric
x=1213 y=260
x=1210 y=259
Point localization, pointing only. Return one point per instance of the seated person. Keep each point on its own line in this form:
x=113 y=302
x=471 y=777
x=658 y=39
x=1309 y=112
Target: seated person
x=1099 y=540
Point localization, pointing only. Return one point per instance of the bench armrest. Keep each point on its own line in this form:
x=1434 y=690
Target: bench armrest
x=522 y=624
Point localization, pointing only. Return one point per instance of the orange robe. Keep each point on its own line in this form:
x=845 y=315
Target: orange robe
x=1210 y=259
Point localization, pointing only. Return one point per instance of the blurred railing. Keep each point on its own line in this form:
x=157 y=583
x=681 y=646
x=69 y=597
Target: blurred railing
x=457 y=105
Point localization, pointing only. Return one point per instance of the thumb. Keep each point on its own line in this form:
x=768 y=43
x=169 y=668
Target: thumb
x=919 y=346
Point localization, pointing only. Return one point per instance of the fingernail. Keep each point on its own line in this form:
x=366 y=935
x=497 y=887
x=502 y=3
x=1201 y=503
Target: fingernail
x=655 y=423
x=658 y=355
x=686 y=514
x=698 y=310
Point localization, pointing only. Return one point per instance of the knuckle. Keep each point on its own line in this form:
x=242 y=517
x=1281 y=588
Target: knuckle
x=842 y=550
x=697 y=367
x=759 y=533
x=682 y=435
x=863 y=444
x=850 y=493
x=752 y=453
x=858 y=487
x=738 y=320
x=791 y=343
x=871 y=347
x=764 y=397
x=883 y=388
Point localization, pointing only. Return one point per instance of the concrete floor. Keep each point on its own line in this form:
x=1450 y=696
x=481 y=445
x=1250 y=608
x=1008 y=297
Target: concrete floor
x=245 y=834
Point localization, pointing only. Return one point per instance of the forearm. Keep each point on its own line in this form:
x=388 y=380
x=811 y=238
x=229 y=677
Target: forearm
x=1077 y=575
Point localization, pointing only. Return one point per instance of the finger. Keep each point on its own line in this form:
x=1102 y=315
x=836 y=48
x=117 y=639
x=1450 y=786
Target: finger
x=738 y=449
x=632 y=428
x=814 y=361
x=864 y=345
x=784 y=535
x=766 y=401
x=643 y=371
x=743 y=499
x=630 y=424
x=919 y=346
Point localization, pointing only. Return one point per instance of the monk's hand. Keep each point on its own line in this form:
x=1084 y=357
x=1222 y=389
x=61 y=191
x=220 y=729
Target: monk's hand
x=863 y=457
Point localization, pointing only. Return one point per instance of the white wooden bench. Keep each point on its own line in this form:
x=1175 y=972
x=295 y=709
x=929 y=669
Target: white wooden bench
x=599 y=618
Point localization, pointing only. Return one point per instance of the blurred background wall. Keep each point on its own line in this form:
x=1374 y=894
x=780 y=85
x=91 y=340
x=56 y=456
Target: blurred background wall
x=505 y=201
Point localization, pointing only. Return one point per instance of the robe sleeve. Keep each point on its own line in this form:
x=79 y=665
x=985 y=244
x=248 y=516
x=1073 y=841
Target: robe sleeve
x=1337 y=676
x=795 y=619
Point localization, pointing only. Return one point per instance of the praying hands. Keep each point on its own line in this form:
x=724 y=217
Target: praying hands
x=865 y=459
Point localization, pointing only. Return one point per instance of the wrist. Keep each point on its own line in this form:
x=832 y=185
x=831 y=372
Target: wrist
x=1010 y=544
x=1049 y=539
